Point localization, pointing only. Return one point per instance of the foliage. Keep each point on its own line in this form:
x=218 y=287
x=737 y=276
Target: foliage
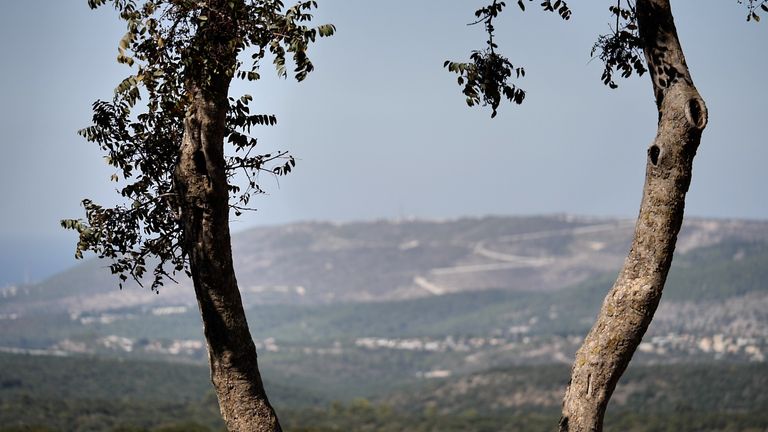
x=621 y=50
x=377 y=418
x=719 y=273
x=485 y=79
x=85 y=394
x=753 y=6
x=173 y=47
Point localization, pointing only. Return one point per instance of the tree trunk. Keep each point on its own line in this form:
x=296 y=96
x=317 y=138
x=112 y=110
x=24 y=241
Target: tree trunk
x=201 y=183
x=629 y=306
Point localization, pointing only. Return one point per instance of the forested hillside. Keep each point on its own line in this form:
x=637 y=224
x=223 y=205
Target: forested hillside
x=397 y=336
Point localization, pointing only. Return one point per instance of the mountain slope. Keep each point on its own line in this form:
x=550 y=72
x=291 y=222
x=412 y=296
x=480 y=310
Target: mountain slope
x=320 y=263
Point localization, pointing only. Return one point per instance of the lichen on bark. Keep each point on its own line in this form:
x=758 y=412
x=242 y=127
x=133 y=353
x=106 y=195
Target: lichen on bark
x=630 y=304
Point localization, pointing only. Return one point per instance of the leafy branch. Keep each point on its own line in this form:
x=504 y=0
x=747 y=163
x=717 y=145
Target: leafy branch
x=142 y=141
x=621 y=50
x=753 y=6
x=485 y=79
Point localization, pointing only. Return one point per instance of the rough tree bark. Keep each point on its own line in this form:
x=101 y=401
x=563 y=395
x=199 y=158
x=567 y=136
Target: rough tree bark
x=201 y=181
x=201 y=184
x=629 y=306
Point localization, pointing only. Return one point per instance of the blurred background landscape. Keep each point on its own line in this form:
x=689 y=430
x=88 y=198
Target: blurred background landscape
x=381 y=294
x=463 y=324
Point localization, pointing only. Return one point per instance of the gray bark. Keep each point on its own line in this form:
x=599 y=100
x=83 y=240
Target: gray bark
x=629 y=306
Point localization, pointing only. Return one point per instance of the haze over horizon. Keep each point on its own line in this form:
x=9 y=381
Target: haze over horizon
x=380 y=129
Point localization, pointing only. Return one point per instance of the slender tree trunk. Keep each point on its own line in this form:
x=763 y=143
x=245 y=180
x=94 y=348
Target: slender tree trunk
x=629 y=306
x=201 y=183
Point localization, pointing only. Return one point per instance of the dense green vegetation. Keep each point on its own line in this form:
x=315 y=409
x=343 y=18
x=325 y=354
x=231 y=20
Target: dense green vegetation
x=646 y=389
x=361 y=417
x=89 y=394
x=121 y=391
x=719 y=272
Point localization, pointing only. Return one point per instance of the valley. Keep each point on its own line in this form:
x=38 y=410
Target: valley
x=427 y=319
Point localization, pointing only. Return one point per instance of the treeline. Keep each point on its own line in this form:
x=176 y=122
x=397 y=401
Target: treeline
x=38 y=413
x=87 y=394
x=644 y=389
x=362 y=416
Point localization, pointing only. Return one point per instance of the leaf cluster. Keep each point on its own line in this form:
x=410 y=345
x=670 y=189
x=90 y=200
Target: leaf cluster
x=486 y=77
x=143 y=150
x=621 y=50
x=753 y=6
x=174 y=45
x=559 y=6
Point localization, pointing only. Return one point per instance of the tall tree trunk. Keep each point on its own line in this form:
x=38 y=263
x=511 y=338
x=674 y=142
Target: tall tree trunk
x=201 y=183
x=629 y=306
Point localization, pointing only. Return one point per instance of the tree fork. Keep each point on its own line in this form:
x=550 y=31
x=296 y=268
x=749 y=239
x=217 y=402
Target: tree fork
x=630 y=304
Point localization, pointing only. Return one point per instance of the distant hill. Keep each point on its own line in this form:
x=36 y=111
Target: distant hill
x=404 y=304
x=456 y=325
x=321 y=263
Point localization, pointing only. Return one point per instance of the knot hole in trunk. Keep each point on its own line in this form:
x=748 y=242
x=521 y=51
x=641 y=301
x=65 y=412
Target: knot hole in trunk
x=696 y=113
x=200 y=164
x=653 y=154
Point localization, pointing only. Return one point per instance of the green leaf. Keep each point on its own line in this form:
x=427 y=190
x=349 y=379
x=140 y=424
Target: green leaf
x=326 y=30
x=93 y=4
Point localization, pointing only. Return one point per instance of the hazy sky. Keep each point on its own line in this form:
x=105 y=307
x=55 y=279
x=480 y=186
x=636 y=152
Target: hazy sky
x=380 y=129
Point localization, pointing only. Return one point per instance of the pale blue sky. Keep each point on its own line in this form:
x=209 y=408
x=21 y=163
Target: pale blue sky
x=380 y=129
